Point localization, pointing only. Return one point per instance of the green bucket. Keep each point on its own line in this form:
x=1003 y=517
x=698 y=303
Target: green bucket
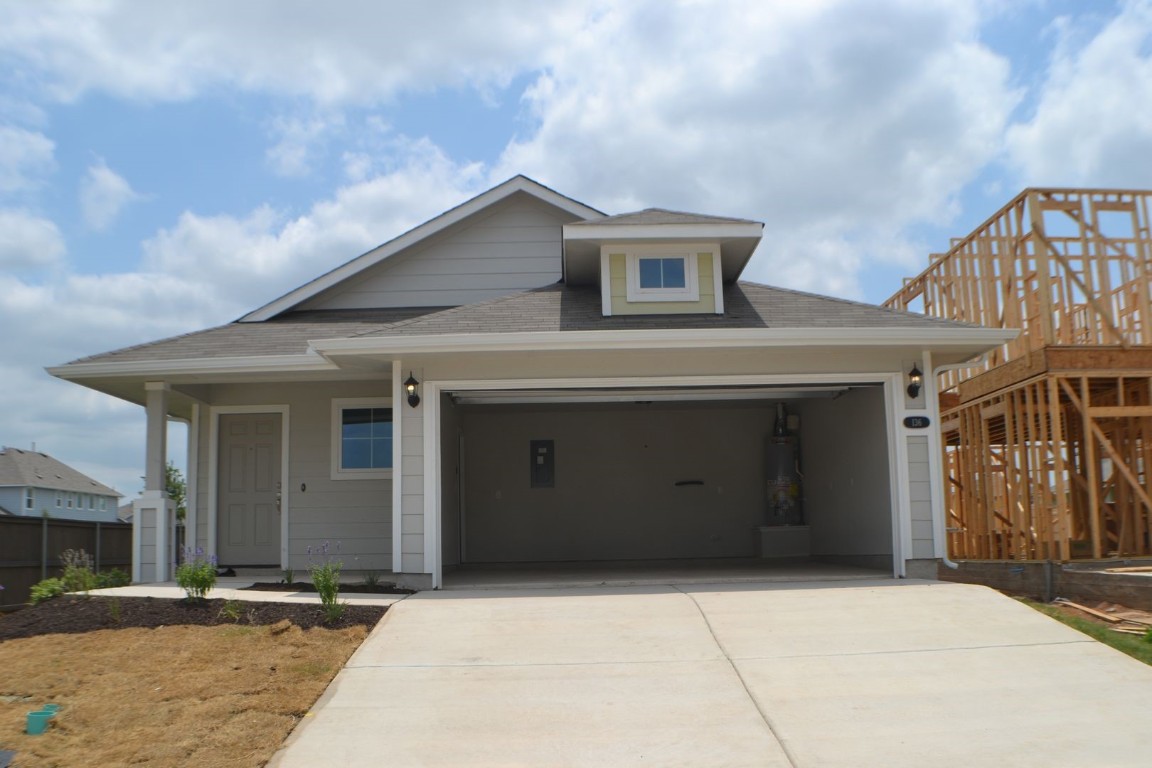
x=38 y=722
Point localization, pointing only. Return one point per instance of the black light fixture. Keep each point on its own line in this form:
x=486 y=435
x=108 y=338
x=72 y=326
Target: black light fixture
x=410 y=386
x=915 y=381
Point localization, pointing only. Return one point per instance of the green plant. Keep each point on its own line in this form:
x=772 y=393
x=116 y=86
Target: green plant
x=232 y=610
x=78 y=575
x=372 y=579
x=196 y=575
x=46 y=590
x=289 y=576
x=113 y=577
x=325 y=571
x=114 y=609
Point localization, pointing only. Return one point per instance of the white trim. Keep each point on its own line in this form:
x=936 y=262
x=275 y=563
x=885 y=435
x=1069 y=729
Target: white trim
x=191 y=494
x=433 y=509
x=605 y=283
x=666 y=339
x=215 y=412
x=224 y=365
x=419 y=233
x=432 y=506
x=898 y=474
x=608 y=231
x=336 y=448
x=718 y=283
x=688 y=254
x=397 y=469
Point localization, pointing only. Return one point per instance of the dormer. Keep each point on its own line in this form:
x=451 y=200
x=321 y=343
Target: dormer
x=659 y=262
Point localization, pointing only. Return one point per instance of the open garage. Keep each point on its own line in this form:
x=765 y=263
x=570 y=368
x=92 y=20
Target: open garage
x=776 y=475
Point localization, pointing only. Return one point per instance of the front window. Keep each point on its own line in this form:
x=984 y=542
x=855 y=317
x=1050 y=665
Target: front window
x=362 y=438
x=29 y=498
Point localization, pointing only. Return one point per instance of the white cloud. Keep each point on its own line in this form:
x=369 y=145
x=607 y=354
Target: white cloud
x=837 y=123
x=28 y=241
x=1093 y=121
x=355 y=51
x=25 y=158
x=103 y=194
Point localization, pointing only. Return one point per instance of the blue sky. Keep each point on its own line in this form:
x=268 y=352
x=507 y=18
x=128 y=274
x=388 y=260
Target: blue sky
x=168 y=166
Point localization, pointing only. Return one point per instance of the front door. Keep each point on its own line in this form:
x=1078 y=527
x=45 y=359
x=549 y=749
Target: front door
x=249 y=490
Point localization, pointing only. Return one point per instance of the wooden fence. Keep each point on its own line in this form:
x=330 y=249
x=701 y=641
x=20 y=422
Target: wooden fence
x=30 y=549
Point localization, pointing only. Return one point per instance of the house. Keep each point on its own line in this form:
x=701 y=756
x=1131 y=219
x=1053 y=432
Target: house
x=527 y=379
x=33 y=484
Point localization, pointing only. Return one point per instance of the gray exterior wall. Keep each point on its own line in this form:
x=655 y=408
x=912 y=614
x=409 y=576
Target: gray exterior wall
x=44 y=500
x=847 y=496
x=513 y=245
x=920 y=497
x=355 y=512
x=615 y=494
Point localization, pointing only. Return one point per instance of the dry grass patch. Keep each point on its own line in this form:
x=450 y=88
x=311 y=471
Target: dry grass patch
x=172 y=696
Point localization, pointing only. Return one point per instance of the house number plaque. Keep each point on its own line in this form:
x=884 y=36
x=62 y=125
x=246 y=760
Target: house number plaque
x=917 y=422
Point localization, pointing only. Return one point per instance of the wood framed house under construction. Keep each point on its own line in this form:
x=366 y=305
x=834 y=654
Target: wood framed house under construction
x=1047 y=442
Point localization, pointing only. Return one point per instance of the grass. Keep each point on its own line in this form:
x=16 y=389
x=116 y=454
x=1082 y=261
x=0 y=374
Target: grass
x=1138 y=647
x=172 y=696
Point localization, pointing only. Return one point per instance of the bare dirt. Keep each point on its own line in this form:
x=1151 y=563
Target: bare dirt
x=161 y=682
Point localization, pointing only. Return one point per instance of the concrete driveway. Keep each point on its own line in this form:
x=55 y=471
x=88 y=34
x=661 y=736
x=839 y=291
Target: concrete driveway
x=854 y=674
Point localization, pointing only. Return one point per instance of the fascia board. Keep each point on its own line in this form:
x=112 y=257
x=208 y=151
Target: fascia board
x=161 y=368
x=413 y=236
x=628 y=232
x=662 y=339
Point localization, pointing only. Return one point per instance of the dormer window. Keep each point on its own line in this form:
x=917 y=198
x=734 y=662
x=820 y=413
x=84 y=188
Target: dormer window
x=662 y=275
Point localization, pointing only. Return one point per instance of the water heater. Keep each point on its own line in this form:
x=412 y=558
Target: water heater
x=785 y=504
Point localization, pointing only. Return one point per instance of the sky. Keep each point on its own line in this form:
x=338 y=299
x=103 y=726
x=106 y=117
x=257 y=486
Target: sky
x=167 y=167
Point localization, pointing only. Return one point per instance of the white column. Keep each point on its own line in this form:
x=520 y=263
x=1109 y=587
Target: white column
x=152 y=508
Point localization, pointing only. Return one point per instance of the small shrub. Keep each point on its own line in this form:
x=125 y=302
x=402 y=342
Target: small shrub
x=289 y=576
x=78 y=574
x=232 y=610
x=112 y=578
x=46 y=590
x=372 y=579
x=196 y=575
x=325 y=571
x=114 y=609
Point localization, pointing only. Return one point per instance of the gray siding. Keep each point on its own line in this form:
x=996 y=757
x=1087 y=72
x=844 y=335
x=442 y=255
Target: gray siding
x=412 y=488
x=12 y=499
x=920 y=497
x=847 y=490
x=512 y=246
x=357 y=513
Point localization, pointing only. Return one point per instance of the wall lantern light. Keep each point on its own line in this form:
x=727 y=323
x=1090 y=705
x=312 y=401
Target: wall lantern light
x=915 y=381
x=411 y=386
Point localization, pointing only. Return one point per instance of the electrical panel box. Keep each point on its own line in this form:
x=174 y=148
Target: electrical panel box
x=543 y=469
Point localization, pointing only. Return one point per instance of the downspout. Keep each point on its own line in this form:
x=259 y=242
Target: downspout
x=935 y=406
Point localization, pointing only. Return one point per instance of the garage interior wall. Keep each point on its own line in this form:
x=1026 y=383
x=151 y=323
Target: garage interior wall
x=847 y=492
x=616 y=494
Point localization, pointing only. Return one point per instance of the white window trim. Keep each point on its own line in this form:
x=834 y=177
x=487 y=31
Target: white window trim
x=29 y=498
x=59 y=500
x=339 y=404
x=691 y=289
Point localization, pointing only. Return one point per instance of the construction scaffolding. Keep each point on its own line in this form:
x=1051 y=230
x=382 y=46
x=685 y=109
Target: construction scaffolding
x=1048 y=444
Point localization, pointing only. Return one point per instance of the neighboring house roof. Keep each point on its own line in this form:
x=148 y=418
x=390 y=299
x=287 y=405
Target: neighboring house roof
x=39 y=470
x=515 y=185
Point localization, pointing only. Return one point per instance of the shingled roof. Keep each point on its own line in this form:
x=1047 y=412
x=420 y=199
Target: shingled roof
x=660 y=216
x=746 y=305
x=39 y=470
x=552 y=308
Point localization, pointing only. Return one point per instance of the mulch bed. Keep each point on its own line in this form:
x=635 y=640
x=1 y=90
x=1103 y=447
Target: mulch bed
x=303 y=586
x=72 y=615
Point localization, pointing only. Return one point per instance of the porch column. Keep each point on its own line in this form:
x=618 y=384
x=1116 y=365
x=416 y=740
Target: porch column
x=151 y=561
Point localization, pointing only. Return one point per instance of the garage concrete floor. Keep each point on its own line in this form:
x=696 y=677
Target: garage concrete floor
x=649 y=572
x=860 y=673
